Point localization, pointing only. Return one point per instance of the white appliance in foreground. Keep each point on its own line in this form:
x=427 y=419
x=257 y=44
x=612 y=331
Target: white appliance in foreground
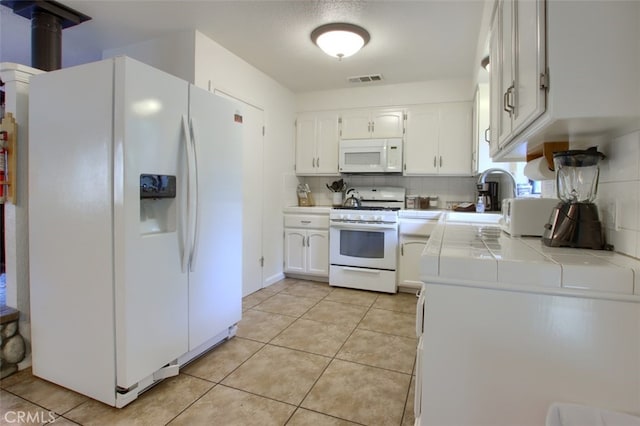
x=135 y=208
x=363 y=242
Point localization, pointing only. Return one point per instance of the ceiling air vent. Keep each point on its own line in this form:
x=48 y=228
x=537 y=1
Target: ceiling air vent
x=365 y=78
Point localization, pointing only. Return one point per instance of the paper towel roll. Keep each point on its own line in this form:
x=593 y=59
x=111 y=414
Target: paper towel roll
x=538 y=169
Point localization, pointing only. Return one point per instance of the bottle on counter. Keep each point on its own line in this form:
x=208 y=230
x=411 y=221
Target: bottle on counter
x=480 y=205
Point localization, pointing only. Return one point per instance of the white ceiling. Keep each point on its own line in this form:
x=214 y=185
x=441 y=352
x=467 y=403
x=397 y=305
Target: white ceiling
x=410 y=40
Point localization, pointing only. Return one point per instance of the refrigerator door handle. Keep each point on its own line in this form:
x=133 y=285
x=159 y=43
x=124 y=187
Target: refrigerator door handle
x=186 y=234
x=193 y=201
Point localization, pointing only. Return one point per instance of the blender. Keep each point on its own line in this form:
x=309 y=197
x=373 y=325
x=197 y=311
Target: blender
x=574 y=221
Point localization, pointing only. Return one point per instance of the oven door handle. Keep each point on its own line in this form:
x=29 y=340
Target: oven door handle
x=363 y=226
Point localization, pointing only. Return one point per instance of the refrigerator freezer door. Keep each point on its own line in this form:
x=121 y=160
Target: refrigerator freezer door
x=215 y=283
x=150 y=287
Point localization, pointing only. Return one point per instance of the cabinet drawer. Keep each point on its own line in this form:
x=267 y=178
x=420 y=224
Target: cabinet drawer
x=417 y=227
x=306 y=221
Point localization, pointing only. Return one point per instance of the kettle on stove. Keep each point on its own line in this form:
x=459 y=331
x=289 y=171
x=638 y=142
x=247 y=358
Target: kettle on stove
x=351 y=200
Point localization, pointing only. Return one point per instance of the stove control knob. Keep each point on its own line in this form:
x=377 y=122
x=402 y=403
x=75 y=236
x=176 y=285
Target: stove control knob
x=378 y=218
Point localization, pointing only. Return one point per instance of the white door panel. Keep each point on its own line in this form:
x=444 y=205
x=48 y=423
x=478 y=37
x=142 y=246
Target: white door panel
x=149 y=282
x=215 y=280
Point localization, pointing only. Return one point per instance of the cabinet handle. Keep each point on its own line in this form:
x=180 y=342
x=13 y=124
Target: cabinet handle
x=486 y=135
x=373 y=126
x=313 y=163
x=318 y=162
x=305 y=221
x=308 y=241
x=441 y=161
x=369 y=127
x=505 y=102
x=510 y=96
x=401 y=249
x=434 y=162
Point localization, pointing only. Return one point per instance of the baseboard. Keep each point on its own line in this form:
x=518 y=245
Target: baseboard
x=273 y=279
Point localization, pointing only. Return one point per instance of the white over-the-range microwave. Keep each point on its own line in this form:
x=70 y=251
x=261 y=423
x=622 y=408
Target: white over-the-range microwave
x=371 y=155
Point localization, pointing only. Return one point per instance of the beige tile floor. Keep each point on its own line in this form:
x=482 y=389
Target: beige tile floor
x=305 y=354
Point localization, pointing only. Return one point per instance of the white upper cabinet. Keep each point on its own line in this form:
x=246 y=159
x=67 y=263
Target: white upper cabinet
x=438 y=139
x=317 y=137
x=375 y=123
x=562 y=70
x=518 y=80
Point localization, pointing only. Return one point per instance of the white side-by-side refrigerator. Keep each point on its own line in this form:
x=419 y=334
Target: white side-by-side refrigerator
x=135 y=225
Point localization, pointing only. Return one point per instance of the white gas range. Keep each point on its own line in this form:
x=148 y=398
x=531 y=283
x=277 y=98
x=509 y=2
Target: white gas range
x=364 y=240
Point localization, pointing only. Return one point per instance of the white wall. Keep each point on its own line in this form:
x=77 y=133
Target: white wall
x=232 y=75
x=373 y=95
x=619 y=193
x=173 y=54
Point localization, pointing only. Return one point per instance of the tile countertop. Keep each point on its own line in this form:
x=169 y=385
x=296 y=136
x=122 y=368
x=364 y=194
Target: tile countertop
x=412 y=214
x=307 y=210
x=471 y=249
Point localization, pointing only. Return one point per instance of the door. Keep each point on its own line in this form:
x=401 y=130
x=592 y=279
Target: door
x=327 y=139
x=455 y=139
x=421 y=144
x=252 y=201
x=295 y=250
x=215 y=278
x=318 y=252
x=410 y=252
x=387 y=124
x=367 y=245
x=507 y=83
x=150 y=286
x=530 y=62
x=356 y=125
x=306 y=144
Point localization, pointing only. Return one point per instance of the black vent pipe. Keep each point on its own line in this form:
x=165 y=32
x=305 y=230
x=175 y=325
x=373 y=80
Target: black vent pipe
x=48 y=19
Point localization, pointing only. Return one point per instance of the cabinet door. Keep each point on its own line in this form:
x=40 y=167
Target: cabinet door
x=356 y=125
x=530 y=64
x=495 y=86
x=295 y=250
x=421 y=141
x=409 y=268
x=507 y=83
x=318 y=252
x=454 y=152
x=327 y=139
x=387 y=124
x=305 y=144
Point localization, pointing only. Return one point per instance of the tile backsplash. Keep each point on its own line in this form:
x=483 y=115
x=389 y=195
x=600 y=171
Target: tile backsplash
x=619 y=193
x=446 y=188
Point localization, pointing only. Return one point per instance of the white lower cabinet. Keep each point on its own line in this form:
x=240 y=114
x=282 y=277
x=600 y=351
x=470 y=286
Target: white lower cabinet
x=306 y=245
x=410 y=250
x=414 y=234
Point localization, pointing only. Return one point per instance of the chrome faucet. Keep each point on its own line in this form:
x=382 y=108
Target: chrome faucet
x=483 y=176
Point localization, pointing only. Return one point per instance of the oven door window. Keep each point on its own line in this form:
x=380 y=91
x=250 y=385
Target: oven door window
x=364 y=244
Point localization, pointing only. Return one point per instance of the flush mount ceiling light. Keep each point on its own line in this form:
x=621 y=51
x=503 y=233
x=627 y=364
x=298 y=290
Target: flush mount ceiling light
x=339 y=39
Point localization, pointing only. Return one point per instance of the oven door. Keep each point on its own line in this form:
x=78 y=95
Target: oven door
x=365 y=245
